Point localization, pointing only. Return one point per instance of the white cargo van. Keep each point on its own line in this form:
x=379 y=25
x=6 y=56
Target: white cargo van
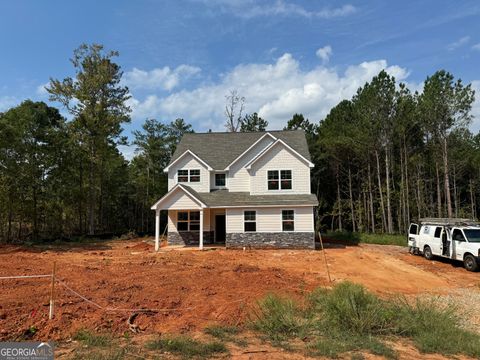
x=457 y=239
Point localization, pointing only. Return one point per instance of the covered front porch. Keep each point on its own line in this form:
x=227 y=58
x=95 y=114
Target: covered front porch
x=190 y=221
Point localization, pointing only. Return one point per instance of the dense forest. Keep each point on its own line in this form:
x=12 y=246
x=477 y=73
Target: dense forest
x=382 y=158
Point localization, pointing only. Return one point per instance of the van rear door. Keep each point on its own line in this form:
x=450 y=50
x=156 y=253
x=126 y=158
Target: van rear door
x=412 y=235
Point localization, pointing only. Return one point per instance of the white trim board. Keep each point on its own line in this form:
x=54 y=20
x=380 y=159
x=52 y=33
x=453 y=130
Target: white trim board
x=175 y=188
x=181 y=156
x=250 y=147
x=248 y=165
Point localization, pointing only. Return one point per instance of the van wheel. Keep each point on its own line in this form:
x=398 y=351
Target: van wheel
x=470 y=263
x=427 y=252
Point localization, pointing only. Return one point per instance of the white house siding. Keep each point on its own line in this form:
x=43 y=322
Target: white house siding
x=185 y=163
x=280 y=158
x=179 y=200
x=238 y=177
x=270 y=219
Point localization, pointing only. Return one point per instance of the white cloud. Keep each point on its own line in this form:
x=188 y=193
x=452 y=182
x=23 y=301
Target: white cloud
x=276 y=91
x=459 y=43
x=6 y=102
x=324 y=53
x=159 y=78
x=476 y=47
x=41 y=91
x=251 y=8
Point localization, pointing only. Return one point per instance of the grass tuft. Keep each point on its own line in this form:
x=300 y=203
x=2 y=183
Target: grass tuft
x=348 y=318
x=187 y=347
x=90 y=339
x=279 y=318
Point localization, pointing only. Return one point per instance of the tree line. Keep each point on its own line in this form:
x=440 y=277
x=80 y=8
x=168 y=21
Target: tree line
x=382 y=158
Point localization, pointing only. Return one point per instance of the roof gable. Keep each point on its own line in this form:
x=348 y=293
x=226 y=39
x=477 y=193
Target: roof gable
x=219 y=150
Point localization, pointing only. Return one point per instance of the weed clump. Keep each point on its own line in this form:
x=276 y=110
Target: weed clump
x=187 y=347
x=349 y=318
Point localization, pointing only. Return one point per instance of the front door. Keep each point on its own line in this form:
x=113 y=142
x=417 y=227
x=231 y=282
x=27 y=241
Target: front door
x=220 y=228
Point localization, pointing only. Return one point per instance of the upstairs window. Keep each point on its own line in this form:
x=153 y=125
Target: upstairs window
x=279 y=179
x=250 y=221
x=188 y=175
x=220 y=180
x=195 y=175
x=182 y=175
x=288 y=220
x=286 y=179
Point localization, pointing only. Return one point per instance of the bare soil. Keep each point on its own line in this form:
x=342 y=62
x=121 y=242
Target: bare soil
x=189 y=289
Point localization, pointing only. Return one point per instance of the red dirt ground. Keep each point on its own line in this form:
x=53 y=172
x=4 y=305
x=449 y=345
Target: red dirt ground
x=191 y=289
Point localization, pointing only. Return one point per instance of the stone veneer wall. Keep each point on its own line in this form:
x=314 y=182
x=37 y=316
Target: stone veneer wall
x=285 y=240
x=189 y=237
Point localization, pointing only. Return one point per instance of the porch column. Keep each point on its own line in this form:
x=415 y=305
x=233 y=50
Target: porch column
x=157 y=229
x=200 y=243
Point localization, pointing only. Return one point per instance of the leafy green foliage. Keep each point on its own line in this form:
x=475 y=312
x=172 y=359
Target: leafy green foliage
x=252 y=123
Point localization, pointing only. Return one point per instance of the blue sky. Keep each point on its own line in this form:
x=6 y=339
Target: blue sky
x=181 y=58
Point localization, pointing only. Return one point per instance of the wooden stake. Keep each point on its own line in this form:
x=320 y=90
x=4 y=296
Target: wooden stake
x=324 y=256
x=52 y=291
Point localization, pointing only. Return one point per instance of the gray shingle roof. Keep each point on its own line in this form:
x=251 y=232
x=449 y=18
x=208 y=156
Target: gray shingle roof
x=226 y=198
x=219 y=149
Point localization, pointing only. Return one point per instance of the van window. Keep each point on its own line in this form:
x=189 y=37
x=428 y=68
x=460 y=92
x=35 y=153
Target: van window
x=457 y=235
x=438 y=231
x=413 y=229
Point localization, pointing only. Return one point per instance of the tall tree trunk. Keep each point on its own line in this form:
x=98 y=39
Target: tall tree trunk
x=351 y=199
x=439 y=193
x=382 y=206
x=406 y=181
x=91 y=190
x=35 y=214
x=472 y=201
x=339 y=203
x=387 y=177
x=370 y=193
x=447 y=181
x=455 y=199
x=419 y=196
x=10 y=220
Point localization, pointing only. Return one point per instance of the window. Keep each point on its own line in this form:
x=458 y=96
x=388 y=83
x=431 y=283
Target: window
x=182 y=175
x=188 y=221
x=438 y=231
x=195 y=175
x=194 y=220
x=457 y=235
x=182 y=221
x=279 y=179
x=250 y=222
x=288 y=218
x=286 y=179
x=272 y=179
x=220 y=180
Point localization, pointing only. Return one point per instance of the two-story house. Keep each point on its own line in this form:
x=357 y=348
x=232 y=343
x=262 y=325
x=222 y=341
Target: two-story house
x=241 y=189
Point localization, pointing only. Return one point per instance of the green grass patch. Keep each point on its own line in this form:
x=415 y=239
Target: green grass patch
x=348 y=318
x=355 y=238
x=90 y=339
x=187 y=347
x=226 y=333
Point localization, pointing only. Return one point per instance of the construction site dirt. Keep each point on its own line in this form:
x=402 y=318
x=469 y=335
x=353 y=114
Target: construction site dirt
x=180 y=290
